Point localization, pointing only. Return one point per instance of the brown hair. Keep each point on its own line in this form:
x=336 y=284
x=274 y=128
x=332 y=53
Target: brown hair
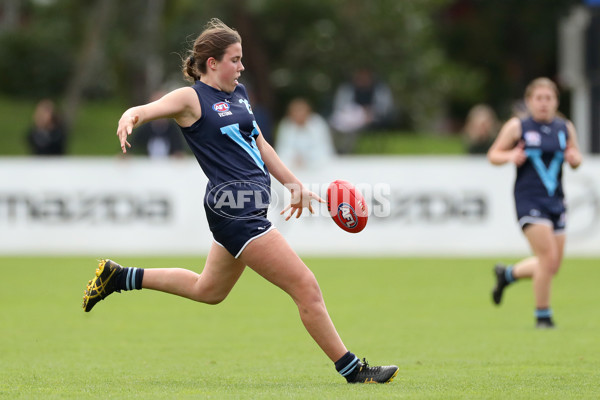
x=212 y=42
x=538 y=82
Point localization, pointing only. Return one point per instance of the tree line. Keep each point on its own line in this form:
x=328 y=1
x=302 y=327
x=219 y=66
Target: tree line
x=438 y=56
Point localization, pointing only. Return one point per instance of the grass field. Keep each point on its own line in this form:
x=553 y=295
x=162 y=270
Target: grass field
x=431 y=317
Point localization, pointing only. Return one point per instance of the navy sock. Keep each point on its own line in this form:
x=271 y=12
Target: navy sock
x=346 y=364
x=508 y=274
x=131 y=278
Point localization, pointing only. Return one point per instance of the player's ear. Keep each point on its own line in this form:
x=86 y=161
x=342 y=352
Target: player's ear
x=211 y=63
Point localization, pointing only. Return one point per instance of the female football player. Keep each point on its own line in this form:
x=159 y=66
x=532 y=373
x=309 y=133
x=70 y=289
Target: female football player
x=537 y=145
x=216 y=119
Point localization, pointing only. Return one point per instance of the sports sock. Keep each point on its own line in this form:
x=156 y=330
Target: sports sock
x=508 y=274
x=543 y=313
x=346 y=364
x=130 y=278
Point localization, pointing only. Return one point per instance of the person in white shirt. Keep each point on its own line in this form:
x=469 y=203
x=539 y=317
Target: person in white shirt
x=303 y=136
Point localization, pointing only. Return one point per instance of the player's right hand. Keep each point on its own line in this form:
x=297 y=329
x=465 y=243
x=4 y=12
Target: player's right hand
x=518 y=155
x=301 y=197
x=125 y=128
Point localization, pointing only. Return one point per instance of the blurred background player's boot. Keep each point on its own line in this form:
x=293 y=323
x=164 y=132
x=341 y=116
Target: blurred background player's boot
x=501 y=283
x=544 y=323
x=544 y=318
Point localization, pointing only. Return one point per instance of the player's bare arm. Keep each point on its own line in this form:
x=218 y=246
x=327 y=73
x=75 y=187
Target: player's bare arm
x=301 y=196
x=507 y=146
x=572 y=153
x=181 y=104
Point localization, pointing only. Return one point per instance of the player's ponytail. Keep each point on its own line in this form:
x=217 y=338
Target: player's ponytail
x=190 y=69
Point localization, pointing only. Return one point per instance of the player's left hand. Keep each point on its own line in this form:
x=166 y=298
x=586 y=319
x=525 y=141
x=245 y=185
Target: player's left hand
x=301 y=198
x=573 y=156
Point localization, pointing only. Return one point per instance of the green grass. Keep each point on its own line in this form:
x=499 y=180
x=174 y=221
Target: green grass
x=93 y=133
x=15 y=118
x=95 y=130
x=431 y=317
x=409 y=143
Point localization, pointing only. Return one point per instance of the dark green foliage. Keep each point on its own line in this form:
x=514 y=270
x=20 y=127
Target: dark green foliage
x=507 y=42
x=440 y=57
x=32 y=68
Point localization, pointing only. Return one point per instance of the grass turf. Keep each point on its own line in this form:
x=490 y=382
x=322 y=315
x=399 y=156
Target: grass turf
x=431 y=317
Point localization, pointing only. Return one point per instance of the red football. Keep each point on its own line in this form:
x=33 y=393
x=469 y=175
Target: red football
x=347 y=206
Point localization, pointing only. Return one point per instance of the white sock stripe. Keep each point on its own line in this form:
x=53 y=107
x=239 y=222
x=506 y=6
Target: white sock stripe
x=127 y=280
x=133 y=278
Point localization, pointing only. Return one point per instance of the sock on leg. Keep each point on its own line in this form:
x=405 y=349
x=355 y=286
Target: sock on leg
x=508 y=274
x=544 y=318
x=131 y=278
x=543 y=313
x=346 y=364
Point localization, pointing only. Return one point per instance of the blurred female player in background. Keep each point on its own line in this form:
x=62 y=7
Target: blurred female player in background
x=537 y=145
x=217 y=121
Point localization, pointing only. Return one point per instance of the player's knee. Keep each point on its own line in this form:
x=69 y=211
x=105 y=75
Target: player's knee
x=552 y=264
x=209 y=300
x=209 y=297
x=213 y=301
x=309 y=284
x=309 y=292
x=555 y=268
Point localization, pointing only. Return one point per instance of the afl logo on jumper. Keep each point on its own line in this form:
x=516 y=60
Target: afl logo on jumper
x=222 y=108
x=533 y=138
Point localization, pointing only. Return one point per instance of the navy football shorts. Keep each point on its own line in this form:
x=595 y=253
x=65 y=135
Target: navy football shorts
x=538 y=211
x=234 y=234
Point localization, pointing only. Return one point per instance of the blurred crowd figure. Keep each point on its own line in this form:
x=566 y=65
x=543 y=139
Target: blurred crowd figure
x=361 y=104
x=303 y=136
x=47 y=136
x=481 y=128
x=160 y=138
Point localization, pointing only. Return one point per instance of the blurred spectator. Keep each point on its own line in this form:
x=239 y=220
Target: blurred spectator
x=303 y=136
x=48 y=135
x=364 y=103
x=480 y=129
x=159 y=138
